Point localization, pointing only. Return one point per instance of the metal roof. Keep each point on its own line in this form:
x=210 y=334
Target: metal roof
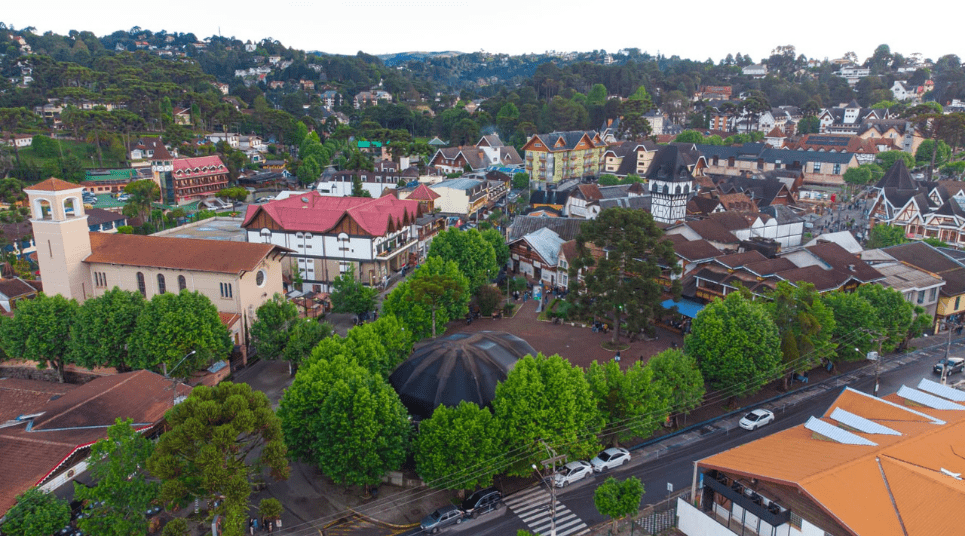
x=943 y=391
x=834 y=433
x=860 y=423
x=927 y=400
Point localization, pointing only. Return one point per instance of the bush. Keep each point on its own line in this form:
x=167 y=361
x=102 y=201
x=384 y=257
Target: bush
x=487 y=298
x=176 y=527
x=270 y=508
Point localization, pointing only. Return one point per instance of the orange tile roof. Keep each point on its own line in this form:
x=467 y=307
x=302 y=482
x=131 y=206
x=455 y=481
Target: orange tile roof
x=868 y=489
x=177 y=253
x=53 y=185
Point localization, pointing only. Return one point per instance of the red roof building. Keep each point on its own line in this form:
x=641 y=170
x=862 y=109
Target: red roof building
x=334 y=235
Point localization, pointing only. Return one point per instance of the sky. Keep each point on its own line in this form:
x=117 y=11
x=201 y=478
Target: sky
x=697 y=29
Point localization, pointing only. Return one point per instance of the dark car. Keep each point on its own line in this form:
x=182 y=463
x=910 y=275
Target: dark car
x=954 y=364
x=482 y=501
x=441 y=518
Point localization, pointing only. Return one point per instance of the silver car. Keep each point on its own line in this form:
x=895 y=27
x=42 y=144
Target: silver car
x=610 y=458
x=572 y=472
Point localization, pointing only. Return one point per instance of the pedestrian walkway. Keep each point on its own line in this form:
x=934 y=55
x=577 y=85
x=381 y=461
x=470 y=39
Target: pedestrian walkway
x=533 y=507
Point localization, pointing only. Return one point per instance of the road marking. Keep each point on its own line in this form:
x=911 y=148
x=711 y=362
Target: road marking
x=533 y=508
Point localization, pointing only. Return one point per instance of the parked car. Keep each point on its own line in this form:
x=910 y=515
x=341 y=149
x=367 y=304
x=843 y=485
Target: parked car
x=954 y=364
x=481 y=502
x=124 y=198
x=610 y=458
x=756 y=419
x=572 y=472
x=441 y=518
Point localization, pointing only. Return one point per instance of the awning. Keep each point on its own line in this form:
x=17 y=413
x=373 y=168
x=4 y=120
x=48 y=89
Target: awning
x=685 y=307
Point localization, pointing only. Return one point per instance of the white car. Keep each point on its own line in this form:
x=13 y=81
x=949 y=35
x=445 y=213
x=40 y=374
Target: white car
x=756 y=419
x=572 y=472
x=610 y=458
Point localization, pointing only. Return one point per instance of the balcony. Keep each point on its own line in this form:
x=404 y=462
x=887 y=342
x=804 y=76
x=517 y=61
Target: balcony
x=395 y=251
x=770 y=513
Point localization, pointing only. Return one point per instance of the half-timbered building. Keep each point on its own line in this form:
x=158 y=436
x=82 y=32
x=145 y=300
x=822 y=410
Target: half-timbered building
x=331 y=236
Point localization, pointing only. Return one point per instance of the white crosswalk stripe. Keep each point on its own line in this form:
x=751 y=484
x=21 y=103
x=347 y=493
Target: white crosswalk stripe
x=533 y=507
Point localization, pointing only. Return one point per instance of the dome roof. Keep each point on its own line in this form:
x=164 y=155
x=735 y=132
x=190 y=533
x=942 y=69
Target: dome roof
x=462 y=366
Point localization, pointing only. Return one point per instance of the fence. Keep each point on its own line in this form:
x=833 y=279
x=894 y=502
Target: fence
x=651 y=520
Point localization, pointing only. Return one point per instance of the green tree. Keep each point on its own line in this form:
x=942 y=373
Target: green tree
x=176 y=527
x=438 y=284
x=173 y=325
x=929 y=148
x=206 y=453
x=857 y=176
x=856 y=324
x=349 y=295
x=883 y=235
x=40 y=331
x=689 y=136
x=345 y=420
x=303 y=335
x=143 y=193
x=546 y=398
x=736 y=345
x=102 y=331
x=456 y=447
x=474 y=255
x=520 y=181
x=809 y=125
x=37 y=513
x=270 y=508
x=629 y=401
x=271 y=330
x=895 y=315
x=679 y=380
x=888 y=159
x=805 y=326
x=622 y=285
x=236 y=193
x=618 y=499
x=123 y=491
x=45 y=146
x=608 y=180
x=500 y=248
x=416 y=318
x=634 y=124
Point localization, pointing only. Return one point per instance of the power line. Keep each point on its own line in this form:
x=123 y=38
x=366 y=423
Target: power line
x=494 y=463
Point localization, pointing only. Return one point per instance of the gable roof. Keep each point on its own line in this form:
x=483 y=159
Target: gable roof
x=546 y=244
x=219 y=256
x=75 y=419
x=565 y=228
x=320 y=214
x=423 y=193
x=930 y=259
x=670 y=165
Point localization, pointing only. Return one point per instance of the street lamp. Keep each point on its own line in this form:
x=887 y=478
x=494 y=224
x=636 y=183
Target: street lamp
x=174 y=380
x=552 y=489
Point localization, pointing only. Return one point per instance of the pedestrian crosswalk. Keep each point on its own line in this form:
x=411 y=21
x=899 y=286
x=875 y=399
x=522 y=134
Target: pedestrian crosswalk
x=533 y=507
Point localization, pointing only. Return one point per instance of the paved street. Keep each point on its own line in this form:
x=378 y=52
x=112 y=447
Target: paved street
x=671 y=460
x=850 y=216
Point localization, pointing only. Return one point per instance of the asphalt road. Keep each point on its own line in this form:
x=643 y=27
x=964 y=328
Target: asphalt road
x=676 y=466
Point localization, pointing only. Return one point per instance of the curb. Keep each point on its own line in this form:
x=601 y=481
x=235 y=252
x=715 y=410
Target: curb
x=381 y=523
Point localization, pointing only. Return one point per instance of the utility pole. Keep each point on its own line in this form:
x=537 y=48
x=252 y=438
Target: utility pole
x=550 y=463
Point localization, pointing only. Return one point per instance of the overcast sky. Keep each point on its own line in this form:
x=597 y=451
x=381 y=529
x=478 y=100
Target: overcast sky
x=697 y=29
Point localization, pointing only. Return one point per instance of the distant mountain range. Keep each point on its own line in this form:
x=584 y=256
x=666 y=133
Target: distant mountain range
x=398 y=58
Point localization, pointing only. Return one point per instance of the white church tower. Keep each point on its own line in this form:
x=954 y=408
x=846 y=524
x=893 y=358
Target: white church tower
x=62 y=237
x=671 y=185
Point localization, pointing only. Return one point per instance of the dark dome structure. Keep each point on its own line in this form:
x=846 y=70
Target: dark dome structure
x=462 y=366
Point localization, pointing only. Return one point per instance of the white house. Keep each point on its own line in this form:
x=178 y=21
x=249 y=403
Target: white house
x=755 y=71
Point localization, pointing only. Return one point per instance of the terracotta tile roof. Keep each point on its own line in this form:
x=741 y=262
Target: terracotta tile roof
x=228 y=319
x=320 y=214
x=423 y=193
x=52 y=185
x=590 y=192
x=75 y=420
x=178 y=253
x=21 y=396
x=841 y=260
x=736 y=260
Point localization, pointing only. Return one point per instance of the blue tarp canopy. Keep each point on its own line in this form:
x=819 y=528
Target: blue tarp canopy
x=685 y=307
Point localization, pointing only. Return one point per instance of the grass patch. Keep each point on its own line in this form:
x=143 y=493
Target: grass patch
x=85 y=152
x=618 y=347
x=545 y=315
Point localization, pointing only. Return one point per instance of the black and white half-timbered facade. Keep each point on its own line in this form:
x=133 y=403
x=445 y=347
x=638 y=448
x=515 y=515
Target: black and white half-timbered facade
x=671 y=185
